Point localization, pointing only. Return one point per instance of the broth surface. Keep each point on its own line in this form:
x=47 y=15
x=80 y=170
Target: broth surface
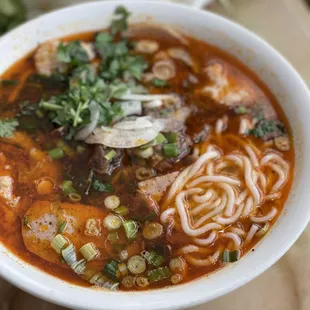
x=24 y=158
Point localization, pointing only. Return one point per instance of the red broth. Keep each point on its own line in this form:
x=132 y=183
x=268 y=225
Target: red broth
x=24 y=158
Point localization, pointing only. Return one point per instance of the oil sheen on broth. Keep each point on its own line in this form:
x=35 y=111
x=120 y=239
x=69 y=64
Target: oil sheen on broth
x=137 y=157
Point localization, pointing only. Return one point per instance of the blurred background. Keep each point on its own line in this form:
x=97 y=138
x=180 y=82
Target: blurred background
x=285 y=24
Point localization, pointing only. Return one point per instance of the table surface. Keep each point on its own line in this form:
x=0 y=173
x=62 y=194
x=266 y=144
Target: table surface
x=285 y=286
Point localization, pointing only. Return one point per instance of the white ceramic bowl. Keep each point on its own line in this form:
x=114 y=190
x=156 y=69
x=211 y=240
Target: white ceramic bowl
x=256 y=54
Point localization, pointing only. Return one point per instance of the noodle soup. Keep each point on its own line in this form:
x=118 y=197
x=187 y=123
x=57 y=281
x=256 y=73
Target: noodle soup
x=137 y=157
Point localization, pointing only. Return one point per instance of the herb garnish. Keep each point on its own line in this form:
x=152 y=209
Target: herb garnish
x=268 y=129
x=118 y=72
x=72 y=53
x=7 y=127
x=102 y=187
x=159 y=83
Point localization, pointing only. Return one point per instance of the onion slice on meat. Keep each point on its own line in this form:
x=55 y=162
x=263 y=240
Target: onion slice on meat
x=127 y=134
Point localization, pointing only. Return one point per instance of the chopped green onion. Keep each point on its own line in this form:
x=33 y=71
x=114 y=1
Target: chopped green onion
x=128 y=281
x=112 y=222
x=177 y=265
x=121 y=210
x=159 y=274
x=131 y=229
x=176 y=278
x=58 y=243
x=153 y=258
x=123 y=255
x=56 y=153
x=69 y=254
x=79 y=267
x=89 y=251
x=160 y=139
x=144 y=153
x=67 y=187
x=263 y=231
x=171 y=150
x=112 y=202
x=88 y=274
x=230 y=256
x=113 y=237
x=172 y=137
x=142 y=282
x=159 y=82
x=136 y=264
x=110 y=269
x=152 y=230
x=110 y=155
x=62 y=227
x=105 y=282
x=65 y=148
x=122 y=269
x=74 y=197
x=95 y=277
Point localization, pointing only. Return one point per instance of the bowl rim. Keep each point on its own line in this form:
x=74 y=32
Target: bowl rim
x=21 y=277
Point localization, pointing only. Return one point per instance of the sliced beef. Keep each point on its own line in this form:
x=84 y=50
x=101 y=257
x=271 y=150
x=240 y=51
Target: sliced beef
x=157 y=186
x=100 y=164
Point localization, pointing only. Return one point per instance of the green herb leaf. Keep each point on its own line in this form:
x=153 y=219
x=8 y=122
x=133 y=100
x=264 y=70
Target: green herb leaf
x=153 y=258
x=71 y=109
x=159 y=83
x=72 y=53
x=120 y=20
x=268 y=129
x=7 y=127
x=102 y=187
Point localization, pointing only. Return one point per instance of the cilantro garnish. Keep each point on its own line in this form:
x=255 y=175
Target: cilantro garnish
x=72 y=53
x=102 y=187
x=120 y=20
x=71 y=109
x=7 y=127
x=268 y=129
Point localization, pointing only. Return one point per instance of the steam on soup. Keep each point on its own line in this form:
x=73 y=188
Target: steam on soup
x=138 y=158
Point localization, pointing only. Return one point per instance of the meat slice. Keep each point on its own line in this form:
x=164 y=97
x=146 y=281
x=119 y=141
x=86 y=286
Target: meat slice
x=156 y=187
x=100 y=164
x=230 y=87
x=43 y=220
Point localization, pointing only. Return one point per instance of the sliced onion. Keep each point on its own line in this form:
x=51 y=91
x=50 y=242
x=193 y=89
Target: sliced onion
x=157 y=103
x=120 y=138
x=139 y=97
x=131 y=107
x=94 y=118
x=138 y=123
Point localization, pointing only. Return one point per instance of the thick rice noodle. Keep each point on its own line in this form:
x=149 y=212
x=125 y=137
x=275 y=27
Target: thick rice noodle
x=208 y=202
